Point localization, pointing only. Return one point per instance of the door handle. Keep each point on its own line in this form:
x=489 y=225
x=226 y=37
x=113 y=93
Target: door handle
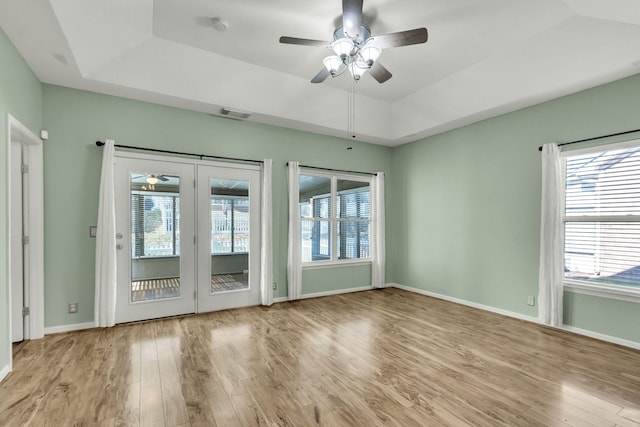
x=119 y=246
x=119 y=236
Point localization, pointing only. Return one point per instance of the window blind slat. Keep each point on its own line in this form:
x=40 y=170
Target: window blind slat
x=602 y=217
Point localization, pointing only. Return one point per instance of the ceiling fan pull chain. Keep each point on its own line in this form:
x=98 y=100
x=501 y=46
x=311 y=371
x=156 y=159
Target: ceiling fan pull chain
x=353 y=109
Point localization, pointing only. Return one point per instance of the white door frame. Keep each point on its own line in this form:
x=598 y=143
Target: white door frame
x=217 y=164
x=126 y=310
x=230 y=299
x=33 y=225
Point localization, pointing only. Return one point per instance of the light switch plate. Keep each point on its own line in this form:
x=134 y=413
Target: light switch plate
x=93 y=230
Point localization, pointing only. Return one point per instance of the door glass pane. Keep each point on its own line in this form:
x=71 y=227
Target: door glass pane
x=229 y=235
x=155 y=236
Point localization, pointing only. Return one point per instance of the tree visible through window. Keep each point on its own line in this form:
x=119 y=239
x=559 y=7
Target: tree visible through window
x=155 y=224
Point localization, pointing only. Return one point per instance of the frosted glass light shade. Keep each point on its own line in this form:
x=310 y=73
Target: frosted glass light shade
x=370 y=54
x=332 y=63
x=342 y=47
x=152 y=180
x=357 y=69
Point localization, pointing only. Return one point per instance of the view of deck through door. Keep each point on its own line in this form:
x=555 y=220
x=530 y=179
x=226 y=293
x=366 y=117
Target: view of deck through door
x=228 y=237
x=188 y=237
x=155 y=239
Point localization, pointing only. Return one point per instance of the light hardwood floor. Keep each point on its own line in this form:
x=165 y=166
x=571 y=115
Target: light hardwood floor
x=385 y=357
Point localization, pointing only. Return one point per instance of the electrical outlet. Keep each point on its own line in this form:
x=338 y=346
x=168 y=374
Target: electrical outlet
x=531 y=300
x=73 y=307
x=275 y=286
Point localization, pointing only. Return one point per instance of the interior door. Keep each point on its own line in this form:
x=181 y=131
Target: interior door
x=16 y=232
x=155 y=239
x=228 y=237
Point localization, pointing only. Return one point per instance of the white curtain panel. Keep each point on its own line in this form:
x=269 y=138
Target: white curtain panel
x=266 y=241
x=551 y=238
x=105 y=292
x=378 y=257
x=294 y=264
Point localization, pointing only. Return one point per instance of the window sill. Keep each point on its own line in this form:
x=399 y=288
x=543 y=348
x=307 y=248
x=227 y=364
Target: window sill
x=152 y=257
x=623 y=293
x=230 y=253
x=333 y=264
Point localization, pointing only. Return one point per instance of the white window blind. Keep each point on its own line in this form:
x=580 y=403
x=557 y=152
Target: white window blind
x=335 y=218
x=602 y=217
x=155 y=224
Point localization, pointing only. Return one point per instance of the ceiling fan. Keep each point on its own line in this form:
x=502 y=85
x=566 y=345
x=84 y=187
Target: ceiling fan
x=355 y=49
x=152 y=178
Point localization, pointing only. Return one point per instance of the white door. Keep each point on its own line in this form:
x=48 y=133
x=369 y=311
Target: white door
x=228 y=237
x=155 y=234
x=17 y=249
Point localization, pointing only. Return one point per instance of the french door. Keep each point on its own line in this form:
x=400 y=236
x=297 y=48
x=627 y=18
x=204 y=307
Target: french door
x=155 y=239
x=228 y=237
x=187 y=237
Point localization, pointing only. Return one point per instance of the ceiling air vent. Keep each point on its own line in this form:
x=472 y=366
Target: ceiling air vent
x=234 y=114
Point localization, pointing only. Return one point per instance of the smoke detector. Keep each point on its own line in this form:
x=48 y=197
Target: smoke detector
x=220 y=24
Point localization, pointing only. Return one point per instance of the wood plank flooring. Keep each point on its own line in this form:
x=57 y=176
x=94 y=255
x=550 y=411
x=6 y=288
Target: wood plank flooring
x=371 y=358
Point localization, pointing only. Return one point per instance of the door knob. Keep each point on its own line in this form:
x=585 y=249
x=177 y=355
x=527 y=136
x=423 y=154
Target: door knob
x=119 y=236
x=119 y=246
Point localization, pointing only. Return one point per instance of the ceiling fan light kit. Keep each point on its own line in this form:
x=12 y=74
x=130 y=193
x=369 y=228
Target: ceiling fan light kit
x=355 y=49
x=351 y=56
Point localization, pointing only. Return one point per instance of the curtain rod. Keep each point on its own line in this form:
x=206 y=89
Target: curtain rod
x=595 y=138
x=155 y=150
x=335 y=170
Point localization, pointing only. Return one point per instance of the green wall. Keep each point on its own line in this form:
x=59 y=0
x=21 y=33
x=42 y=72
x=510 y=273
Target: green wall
x=467 y=221
x=315 y=280
x=76 y=119
x=463 y=207
x=20 y=96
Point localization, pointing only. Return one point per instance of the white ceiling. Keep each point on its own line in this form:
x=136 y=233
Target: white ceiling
x=483 y=57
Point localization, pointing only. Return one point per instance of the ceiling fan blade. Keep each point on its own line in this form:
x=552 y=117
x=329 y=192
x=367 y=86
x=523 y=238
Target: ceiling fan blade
x=162 y=178
x=402 y=38
x=351 y=17
x=380 y=73
x=304 y=42
x=321 y=76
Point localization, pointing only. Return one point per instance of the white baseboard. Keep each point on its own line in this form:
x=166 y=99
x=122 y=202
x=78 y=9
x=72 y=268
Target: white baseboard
x=69 y=328
x=5 y=371
x=467 y=303
x=567 y=328
x=325 y=293
x=601 y=337
x=336 y=292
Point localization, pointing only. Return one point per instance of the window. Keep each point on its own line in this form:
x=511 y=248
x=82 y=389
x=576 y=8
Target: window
x=602 y=219
x=335 y=217
x=229 y=224
x=155 y=224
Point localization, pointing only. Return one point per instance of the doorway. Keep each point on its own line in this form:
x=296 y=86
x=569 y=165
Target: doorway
x=187 y=237
x=25 y=248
